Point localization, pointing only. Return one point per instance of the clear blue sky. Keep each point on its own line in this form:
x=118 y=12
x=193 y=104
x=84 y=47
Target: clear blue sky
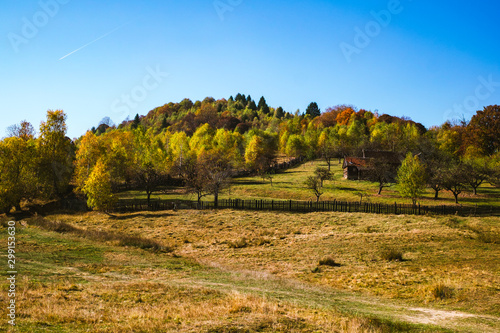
x=425 y=62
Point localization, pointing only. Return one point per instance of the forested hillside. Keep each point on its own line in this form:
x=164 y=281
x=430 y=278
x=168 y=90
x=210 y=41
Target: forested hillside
x=201 y=145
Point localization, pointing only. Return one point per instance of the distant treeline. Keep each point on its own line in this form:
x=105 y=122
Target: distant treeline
x=207 y=142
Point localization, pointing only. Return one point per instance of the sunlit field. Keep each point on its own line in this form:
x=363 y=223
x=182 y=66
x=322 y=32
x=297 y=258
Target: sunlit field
x=233 y=271
x=289 y=184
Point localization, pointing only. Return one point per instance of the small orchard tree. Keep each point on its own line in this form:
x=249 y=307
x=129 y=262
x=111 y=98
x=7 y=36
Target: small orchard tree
x=477 y=171
x=382 y=173
x=411 y=178
x=314 y=185
x=195 y=181
x=454 y=179
x=98 y=189
x=323 y=174
x=217 y=171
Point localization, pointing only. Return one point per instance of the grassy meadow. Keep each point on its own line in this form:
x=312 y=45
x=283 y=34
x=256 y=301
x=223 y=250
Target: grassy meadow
x=238 y=271
x=289 y=184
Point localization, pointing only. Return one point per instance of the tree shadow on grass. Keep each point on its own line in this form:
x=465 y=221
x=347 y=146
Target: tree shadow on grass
x=134 y=215
x=249 y=182
x=345 y=188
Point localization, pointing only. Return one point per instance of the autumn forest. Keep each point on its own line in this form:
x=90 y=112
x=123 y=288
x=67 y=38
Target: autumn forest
x=201 y=146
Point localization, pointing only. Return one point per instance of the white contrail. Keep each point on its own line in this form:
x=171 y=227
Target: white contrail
x=95 y=40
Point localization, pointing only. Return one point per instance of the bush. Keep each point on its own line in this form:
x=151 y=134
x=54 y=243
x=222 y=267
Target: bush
x=328 y=261
x=441 y=291
x=453 y=222
x=262 y=241
x=241 y=243
x=392 y=254
x=316 y=270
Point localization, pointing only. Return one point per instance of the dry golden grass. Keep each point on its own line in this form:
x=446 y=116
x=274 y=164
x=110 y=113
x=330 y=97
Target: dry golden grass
x=211 y=283
x=294 y=243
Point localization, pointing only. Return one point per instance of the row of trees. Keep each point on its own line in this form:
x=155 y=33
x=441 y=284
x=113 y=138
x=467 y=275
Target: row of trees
x=203 y=143
x=414 y=175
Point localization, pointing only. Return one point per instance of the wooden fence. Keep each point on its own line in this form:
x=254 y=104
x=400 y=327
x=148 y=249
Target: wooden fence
x=131 y=205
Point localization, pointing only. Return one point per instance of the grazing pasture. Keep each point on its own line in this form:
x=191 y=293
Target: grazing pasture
x=242 y=271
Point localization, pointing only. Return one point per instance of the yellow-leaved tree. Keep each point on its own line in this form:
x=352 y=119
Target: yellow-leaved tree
x=98 y=188
x=18 y=176
x=56 y=155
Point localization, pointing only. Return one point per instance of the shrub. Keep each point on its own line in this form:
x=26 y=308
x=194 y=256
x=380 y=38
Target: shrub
x=328 y=261
x=453 y=222
x=392 y=254
x=441 y=291
x=262 y=241
x=316 y=270
x=241 y=243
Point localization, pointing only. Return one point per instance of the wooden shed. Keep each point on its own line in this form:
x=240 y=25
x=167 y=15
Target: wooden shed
x=359 y=167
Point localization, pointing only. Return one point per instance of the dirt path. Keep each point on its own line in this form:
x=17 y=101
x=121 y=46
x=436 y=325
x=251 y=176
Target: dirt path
x=264 y=284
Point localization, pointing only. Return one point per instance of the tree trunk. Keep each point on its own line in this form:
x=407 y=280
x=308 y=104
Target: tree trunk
x=216 y=199
x=455 y=194
x=329 y=162
x=436 y=194
x=380 y=189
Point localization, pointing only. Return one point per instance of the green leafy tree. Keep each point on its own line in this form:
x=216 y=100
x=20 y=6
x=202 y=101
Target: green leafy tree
x=477 y=171
x=263 y=106
x=295 y=146
x=136 y=122
x=150 y=167
x=313 y=110
x=313 y=183
x=411 y=178
x=328 y=146
x=251 y=105
x=279 y=113
x=323 y=174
